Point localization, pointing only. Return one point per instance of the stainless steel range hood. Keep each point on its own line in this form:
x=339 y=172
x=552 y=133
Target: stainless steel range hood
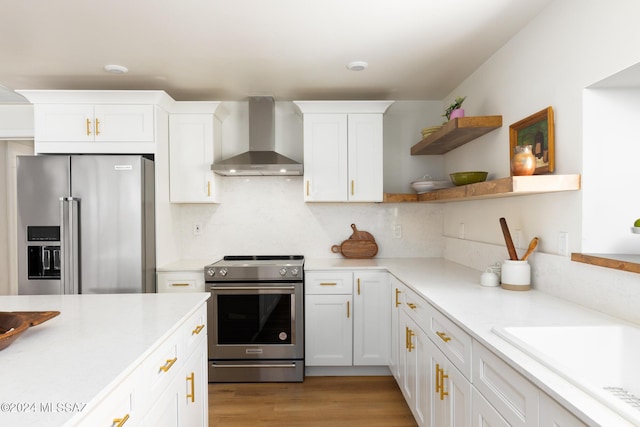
x=261 y=159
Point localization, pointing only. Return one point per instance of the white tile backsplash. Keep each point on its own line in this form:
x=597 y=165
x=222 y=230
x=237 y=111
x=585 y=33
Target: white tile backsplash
x=268 y=215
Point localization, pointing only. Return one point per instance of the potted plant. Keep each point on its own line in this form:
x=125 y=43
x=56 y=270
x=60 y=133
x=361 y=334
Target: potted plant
x=454 y=109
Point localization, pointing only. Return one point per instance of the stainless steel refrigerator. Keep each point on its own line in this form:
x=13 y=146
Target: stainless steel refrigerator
x=86 y=224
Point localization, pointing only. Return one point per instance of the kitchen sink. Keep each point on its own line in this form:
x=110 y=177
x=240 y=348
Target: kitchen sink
x=604 y=361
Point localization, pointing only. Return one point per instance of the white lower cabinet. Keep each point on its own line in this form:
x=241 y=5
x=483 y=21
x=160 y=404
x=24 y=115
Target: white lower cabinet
x=347 y=318
x=169 y=388
x=449 y=379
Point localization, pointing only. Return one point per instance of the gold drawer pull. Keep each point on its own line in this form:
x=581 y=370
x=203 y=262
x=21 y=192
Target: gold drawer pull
x=192 y=395
x=119 y=422
x=197 y=330
x=353 y=187
x=397 y=294
x=180 y=284
x=97 y=127
x=307 y=188
x=412 y=306
x=208 y=188
x=440 y=377
x=358 y=286
x=443 y=336
x=328 y=284
x=88 y=127
x=168 y=365
x=348 y=309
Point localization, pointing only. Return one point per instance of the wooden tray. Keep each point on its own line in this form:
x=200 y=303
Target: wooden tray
x=356 y=249
x=14 y=323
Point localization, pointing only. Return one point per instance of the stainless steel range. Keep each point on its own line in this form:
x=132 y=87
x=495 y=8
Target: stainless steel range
x=256 y=319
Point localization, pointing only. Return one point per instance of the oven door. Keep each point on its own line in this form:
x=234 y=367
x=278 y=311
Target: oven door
x=256 y=321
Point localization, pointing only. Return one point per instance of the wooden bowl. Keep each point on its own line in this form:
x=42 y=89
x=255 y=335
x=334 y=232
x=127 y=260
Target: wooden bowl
x=13 y=324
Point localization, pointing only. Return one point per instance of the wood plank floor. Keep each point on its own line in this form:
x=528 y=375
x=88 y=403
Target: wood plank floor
x=318 y=401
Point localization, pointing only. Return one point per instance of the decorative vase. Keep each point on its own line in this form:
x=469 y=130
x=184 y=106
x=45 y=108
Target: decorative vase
x=458 y=112
x=523 y=161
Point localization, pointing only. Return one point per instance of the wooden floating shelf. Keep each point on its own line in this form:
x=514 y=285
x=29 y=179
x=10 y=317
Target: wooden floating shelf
x=502 y=187
x=630 y=263
x=455 y=133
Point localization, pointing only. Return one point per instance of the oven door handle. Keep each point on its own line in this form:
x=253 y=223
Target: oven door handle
x=276 y=365
x=251 y=288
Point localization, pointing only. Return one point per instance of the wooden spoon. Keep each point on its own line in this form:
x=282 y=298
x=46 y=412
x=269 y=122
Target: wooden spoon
x=513 y=255
x=532 y=246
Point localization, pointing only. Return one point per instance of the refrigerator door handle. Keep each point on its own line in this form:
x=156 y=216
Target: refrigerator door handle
x=69 y=274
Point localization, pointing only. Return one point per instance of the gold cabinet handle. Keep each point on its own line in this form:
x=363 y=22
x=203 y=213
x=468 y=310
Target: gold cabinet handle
x=328 y=284
x=411 y=306
x=353 y=187
x=197 y=330
x=192 y=395
x=168 y=365
x=208 y=188
x=397 y=294
x=88 y=127
x=97 y=127
x=443 y=336
x=406 y=337
x=440 y=377
x=179 y=284
x=410 y=345
x=348 y=309
x=358 y=286
x=119 y=422
x=307 y=188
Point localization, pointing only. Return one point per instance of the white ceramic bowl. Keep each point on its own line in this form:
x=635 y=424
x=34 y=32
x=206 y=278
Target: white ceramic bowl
x=635 y=230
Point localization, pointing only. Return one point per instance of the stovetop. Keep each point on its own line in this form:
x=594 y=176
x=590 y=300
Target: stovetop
x=255 y=268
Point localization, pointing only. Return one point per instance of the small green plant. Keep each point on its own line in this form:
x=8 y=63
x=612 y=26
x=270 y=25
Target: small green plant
x=457 y=103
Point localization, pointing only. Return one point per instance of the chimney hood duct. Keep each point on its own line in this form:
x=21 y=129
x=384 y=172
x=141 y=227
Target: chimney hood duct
x=261 y=159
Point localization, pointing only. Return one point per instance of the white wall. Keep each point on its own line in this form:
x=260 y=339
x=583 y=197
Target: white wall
x=569 y=46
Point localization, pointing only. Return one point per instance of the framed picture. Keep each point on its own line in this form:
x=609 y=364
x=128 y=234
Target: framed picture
x=536 y=131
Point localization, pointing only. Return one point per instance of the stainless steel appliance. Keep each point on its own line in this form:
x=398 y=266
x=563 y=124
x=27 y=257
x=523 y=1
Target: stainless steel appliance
x=85 y=224
x=256 y=319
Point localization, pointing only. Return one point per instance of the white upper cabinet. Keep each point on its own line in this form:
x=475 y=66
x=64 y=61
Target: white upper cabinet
x=194 y=145
x=109 y=122
x=343 y=150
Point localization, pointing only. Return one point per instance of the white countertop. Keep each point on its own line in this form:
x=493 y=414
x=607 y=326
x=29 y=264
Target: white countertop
x=74 y=358
x=455 y=291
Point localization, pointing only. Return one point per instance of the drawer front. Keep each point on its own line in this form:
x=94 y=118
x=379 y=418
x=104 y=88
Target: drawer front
x=515 y=398
x=451 y=339
x=328 y=282
x=416 y=307
x=161 y=366
x=185 y=281
x=122 y=405
x=195 y=330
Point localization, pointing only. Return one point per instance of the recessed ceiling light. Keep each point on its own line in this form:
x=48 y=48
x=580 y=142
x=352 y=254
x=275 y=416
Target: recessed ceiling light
x=115 y=69
x=357 y=65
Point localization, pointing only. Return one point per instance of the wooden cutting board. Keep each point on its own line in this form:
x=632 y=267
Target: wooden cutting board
x=356 y=248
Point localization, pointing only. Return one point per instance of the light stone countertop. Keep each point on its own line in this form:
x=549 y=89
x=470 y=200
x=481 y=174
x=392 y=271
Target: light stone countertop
x=76 y=357
x=455 y=291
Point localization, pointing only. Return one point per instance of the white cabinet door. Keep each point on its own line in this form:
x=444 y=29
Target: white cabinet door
x=123 y=123
x=450 y=392
x=395 y=345
x=483 y=414
x=63 y=122
x=365 y=157
x=328 y=330
x=414 y=369
x=191 y=148
x=325 y=157
x=193 y=391
x=552 y=414
x=372 y=316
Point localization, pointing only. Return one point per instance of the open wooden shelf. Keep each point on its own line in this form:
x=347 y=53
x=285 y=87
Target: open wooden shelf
x=622 y=262
x=455 y=133
x=502 y=187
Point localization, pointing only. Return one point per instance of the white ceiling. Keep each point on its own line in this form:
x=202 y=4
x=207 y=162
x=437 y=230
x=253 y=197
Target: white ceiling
x=231 y=49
